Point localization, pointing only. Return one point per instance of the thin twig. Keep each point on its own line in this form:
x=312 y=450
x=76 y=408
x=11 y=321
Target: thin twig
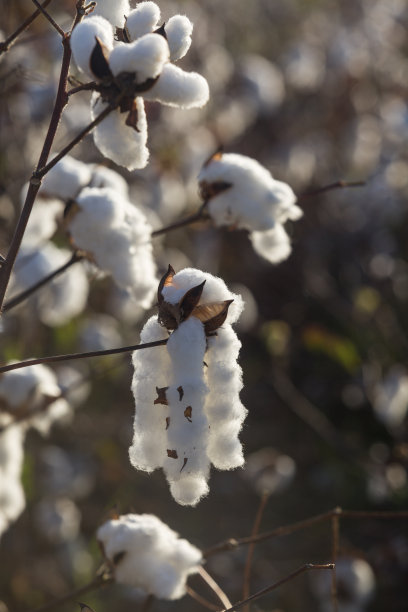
x=202 y=600
x=6 y=44
x=83 y=87
x=251 y=548
x=301 y=570
x=71 y=356
x=217 y=590
x=335 y=533
x=331 y=187
x=200 y=215
x=96 y=583
x=23 y=295
x=35 y=182
x=50 y=19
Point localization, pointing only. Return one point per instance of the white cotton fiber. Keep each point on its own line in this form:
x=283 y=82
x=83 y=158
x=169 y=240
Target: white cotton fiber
x=66 y=178
x=83 y=40
x=143 y=19
x=176 y=87
x=115 y=11
x=118 y=141
x=145 y=57
x=178 y=32
x=117 y=237
x=150 y=555
x=101 y=176
x=43 y=222
x=273 y=245
x=12 y=498
x=187 y=394
x=255 y=200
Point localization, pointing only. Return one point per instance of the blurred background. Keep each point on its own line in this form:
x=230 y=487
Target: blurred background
x=316 y=90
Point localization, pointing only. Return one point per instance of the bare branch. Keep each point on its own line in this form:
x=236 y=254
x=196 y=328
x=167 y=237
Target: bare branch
x=20 y=297
x=214 y=587
x=50 y=19
x=200 y=215
x=301 y=570
x=331 y=187
x=251 y=548
x=9 y=42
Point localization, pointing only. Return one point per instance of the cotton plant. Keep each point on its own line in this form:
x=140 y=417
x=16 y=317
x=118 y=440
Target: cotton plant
x=115 y=235
x=143 y=552
x=32 y=395
x=240 y=193
x=137 y=66
x=63 y=298
x=188 y=411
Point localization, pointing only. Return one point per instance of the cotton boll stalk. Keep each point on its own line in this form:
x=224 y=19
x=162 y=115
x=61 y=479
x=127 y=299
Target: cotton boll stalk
x=147 y=554
x=114 y=11
x=83 y=40
x=118 y=141
x=178 y=32
x=66 y=178
x=273 y=245
x=145 y=57
x=176 y=87
x=142 y=20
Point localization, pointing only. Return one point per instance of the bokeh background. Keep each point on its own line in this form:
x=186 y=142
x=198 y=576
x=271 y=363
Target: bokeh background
x=316 y=90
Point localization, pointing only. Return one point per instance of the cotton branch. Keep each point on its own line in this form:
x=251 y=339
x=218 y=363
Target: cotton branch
x=35 y=182
x=9 y=42
x=72 y=356
x=301 y=570
x=20 y=297
x=49 y=18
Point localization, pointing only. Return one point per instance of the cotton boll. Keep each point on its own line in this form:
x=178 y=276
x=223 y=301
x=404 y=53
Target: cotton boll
x=66 y=178
x=114 y=11
x=101 y=176
x=151 y=556
x=273 y=245
x=190 y=490
x=178 y=32
x=145 y=57
x=176 y=87
x=119 y=142
x=42 y=224
x=143 y=19
x=83 y=40
x=254 y=200
x=103 y=206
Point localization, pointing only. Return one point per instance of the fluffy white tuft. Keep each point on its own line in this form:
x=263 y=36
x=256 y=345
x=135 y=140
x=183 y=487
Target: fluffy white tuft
x=12 y=499
x=150 y=555
x=114 y=11
x=66 y=178
x=119 y=142
x=273 y=245
x=178 y=31
x=143 y=19
x=106 y=177
x=83 y=40
x=117 y=236
x=145 y=57
x=176 y=87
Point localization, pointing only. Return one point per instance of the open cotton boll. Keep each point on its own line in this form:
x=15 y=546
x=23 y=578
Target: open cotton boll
x=176 y=87
x=83 y=40
x=143 y=19
x=145 y=57
x=178 y=32
x=33 y=393
x=147 y=554
x=251 y=199
x=102 y=207
x=101 y=176
x=273 y=245
x=42 y=223
x=114 y=11
x=66 y=178
x=119 y=142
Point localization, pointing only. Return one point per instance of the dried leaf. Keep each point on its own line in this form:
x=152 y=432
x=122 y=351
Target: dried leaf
x=99 y=60
x=133 y=116
x=184 y=463
x=210 y=190
x=161 y=396
x=187 y=413
x=165 y=281
x=118 y=557
x=161 y=30
x=190 y=300
x=122 y=35
x=167 y=423
x=212 y=315
x=180 y=392
x=172 y=453
x=214 y=156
